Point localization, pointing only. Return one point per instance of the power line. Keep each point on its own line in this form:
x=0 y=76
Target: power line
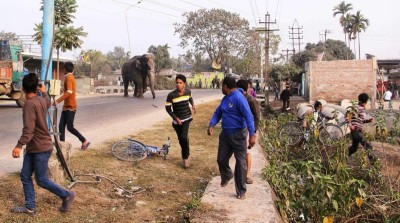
x=225 y=6
x=252 y=10
x=258 y=15
x=166 y=6
x=192 y=4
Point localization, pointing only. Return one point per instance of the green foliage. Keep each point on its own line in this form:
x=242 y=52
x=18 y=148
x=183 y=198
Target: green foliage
x=117 y=57
x=216 y=32
x=161 y=55
x=280 y=72
x=314 y=182
x=332 y=49
x=65 y=37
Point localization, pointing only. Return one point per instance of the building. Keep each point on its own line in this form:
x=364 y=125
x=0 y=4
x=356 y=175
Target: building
x=334 y=81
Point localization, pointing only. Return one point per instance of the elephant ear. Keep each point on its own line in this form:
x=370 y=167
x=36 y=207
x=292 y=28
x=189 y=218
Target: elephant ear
x=139 y=64
x=150 y=60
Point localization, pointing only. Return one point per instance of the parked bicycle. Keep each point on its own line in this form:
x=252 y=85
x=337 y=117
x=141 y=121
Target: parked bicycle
x=133 y=150
x=326 y=133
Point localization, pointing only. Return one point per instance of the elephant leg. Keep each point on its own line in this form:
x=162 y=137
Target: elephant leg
x=135 y=92
x=126 y=84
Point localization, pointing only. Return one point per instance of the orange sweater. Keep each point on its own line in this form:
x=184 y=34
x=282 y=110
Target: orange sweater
x=69 y=95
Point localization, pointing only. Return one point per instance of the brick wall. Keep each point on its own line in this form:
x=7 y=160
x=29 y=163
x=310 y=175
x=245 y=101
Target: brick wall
x=338 y=80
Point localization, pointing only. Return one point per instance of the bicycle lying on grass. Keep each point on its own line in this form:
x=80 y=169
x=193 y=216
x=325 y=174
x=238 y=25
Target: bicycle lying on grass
x=133 y=150
x=326 y=133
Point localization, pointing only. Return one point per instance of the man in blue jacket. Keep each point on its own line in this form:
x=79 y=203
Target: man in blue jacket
x=237 y=122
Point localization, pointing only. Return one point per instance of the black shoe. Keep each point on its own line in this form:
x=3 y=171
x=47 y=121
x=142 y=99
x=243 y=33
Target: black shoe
x=372 y=159
x=224 y=183
x=67 y=201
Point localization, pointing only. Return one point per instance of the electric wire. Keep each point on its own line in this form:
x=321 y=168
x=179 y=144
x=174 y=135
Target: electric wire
x=252 y=10
x=256 y=6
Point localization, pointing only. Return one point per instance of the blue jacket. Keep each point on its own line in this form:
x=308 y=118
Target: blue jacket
x=235 y=113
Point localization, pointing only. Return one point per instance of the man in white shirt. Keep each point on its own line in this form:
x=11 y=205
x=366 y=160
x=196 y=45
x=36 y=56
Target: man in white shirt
x=387 y=96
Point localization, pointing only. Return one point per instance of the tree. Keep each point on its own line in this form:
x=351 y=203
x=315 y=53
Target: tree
x=96 y=59
x=359 y=24
x=65 y=37
x=214 y=32
x=279 y=72
x=9 y=36
x=117 y=57
x=161 y=56
x=332 y=49
x=342 y=10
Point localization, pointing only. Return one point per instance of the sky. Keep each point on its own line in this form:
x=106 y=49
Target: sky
x=137 y=24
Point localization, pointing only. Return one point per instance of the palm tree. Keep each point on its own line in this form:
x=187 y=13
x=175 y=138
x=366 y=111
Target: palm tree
x=360 y=23
x=347 y=28
x=65 y=37
x=342 y=10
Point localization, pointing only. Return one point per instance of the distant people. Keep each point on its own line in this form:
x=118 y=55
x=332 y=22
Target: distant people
x=69 y=107
x=205 y=83
x=285 y=97
x=200 y=83
x=177 y=106
x=250 y=88
x=258 y=87
x=387 y=97
x=39 y=146
x=242 y=85
x=356 y=125
x=276 y=91
x=237 y=122
x=190 y=84
x=213 y=83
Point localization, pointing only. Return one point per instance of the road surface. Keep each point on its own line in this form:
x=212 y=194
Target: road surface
x=98 y=118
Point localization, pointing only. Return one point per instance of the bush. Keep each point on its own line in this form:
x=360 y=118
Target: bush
x=317 y=184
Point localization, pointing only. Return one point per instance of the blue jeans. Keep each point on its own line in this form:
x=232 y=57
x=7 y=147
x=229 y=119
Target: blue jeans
x=38 y=163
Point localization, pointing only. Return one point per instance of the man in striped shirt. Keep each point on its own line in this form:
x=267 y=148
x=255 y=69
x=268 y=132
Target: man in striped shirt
x=356 y=125
x=177 y=106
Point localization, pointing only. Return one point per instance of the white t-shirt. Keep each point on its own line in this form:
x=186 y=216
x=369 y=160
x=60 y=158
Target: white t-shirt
x=387 y=95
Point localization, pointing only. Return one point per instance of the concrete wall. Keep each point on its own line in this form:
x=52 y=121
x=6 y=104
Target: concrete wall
x=342 y=79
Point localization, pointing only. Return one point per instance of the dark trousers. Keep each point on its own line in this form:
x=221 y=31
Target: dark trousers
x=285 y=105
x=357 y=138
x=182 y=131
x=38 y=163
x=233 y=144
x=67 y=119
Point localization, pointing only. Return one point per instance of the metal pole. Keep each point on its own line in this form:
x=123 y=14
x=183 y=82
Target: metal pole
x=48 y=23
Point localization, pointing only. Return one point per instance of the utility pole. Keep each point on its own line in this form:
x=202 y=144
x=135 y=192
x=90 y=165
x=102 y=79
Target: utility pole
x=287 y=53
x=324 y=34
x=267 y=31
x=295 y=34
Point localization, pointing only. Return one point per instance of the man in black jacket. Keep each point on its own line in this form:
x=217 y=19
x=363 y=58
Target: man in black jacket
x=285 y=97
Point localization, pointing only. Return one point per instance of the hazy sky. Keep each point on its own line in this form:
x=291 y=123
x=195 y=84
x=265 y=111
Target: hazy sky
x=151 y=22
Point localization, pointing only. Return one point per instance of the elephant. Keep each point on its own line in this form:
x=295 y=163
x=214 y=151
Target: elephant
x=139 y=70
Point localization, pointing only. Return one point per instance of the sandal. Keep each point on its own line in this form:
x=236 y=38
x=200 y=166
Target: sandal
x=85 y=146
x=24 y=210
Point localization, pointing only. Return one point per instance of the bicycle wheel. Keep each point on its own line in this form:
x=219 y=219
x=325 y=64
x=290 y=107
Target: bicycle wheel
x=292 y=132
x=330 y=134
x=129 y=150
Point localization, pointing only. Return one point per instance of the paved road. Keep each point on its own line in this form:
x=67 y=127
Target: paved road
x=99 y=117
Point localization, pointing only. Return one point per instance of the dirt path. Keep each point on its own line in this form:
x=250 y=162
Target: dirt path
x=258 y=205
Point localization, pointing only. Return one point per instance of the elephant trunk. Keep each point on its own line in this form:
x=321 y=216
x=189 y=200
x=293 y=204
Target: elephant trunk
x=152 y=82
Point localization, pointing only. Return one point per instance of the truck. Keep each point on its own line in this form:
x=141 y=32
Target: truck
x=11 y=71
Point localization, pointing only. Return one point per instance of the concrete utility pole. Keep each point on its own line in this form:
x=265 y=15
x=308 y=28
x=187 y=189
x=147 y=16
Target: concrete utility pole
x=295 y=34
x=287 y=53
x=267 y=31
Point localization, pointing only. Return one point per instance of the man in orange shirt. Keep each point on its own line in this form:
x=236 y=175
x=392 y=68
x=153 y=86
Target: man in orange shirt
x=69 y=107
